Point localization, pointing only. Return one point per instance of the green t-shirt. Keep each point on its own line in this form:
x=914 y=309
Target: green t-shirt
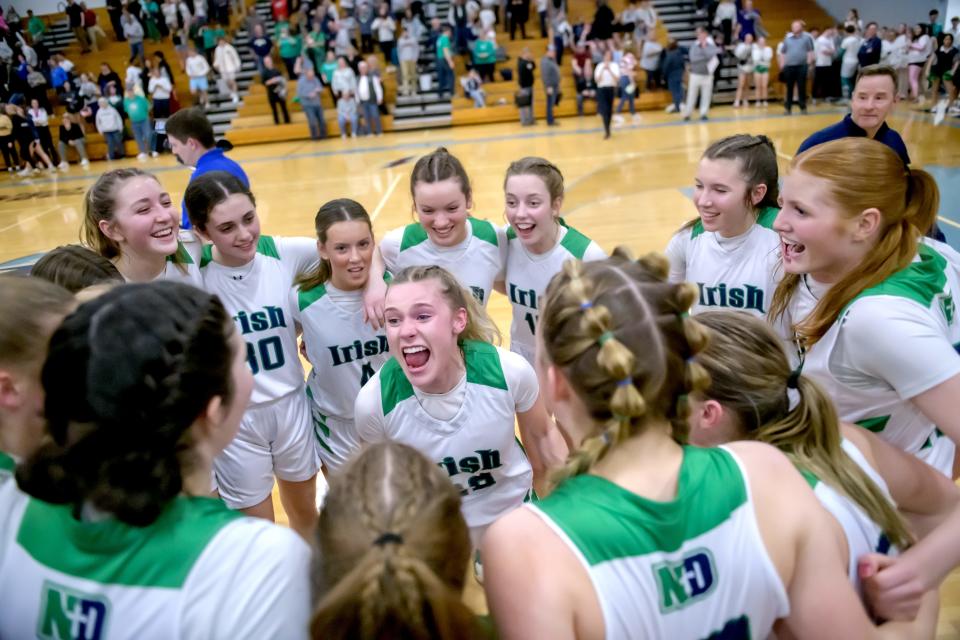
x=290 y=47
x=443 y=45
x=210 y=37
x=327 y=69
x=137 y=108
x=36 y=26
x=484 y=52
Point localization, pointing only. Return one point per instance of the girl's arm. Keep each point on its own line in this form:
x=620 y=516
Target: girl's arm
x=375 y=292
x=542 y=443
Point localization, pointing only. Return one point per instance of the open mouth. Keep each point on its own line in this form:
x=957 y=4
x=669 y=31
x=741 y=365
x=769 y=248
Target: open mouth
x=246 y=246
x=524 y=229
x=163 y=234
x=356 y=271
x=415 y=357
x=791 y=250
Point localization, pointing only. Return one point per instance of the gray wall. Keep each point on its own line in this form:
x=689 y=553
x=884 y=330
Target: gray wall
x=890 y=12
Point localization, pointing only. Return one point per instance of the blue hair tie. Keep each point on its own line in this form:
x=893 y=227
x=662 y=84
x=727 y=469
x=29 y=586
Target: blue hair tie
x=586 y=305
x=626 y=382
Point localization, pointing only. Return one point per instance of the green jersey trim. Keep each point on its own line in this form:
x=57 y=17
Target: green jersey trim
x=7 y=463
x=414 y=233
x=181 y=255
x=765 y=218
x=574 y=241
x=484 y=230
x=919 y=281
x=481 y=361
x=607 y=522
x=308 y=297
x=811 y=479
x=266 y=245
x=206 y=255
x=876 y=424
x=160 y=555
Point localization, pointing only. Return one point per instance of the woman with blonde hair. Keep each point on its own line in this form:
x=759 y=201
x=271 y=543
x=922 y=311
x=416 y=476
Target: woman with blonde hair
x=870 y=307
x=393 y=551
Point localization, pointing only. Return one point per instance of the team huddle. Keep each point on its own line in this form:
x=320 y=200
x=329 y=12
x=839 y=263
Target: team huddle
x=751 y=435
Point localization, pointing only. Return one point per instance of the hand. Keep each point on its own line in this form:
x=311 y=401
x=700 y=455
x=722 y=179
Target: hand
x=373 y=297
x=892 y=586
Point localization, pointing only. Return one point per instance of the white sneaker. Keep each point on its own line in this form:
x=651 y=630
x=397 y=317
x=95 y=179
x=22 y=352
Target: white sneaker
x=84 y=163
x=343 y=135
x=63 y=166
x=36 y=170
x=636 y=117
x=141 y=157
x=940 y=112
x=235 y=98
x=736 y=104
x=353 y=135
x=671 y=108
x=154 y=154
x=24 y=172
x=618 y=120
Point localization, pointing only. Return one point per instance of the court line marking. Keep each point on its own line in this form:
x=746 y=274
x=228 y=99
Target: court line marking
x=33 y=217
x=949 y=222
x=385 y=197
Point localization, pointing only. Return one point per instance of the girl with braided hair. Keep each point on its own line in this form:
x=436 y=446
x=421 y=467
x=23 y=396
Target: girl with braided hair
x=538 y=243
x=446 y=234
x=328 y=305
x=860 y=479
x=645 y=537
x=30 y=310
x=115 y=535
x=129 y=218
x=450 y=393
x=729 y=251
x=253 y=275
x=393 y=551
x=870 y=307
x=74 y=267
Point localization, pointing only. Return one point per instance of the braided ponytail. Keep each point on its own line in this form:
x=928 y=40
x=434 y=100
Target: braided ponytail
x=394 y=550
x=621 y=335
x=126 y=377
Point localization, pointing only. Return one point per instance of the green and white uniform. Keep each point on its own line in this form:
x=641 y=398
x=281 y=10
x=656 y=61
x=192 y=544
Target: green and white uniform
x=345 y=353
x=275 y=432
x=7 y=466
x=891 y=343
x=694 y=568
x=199 y=571
x=468 y=431
x=528 y=275
x=477 y=262
x=863 y=535
x=187 y=270
x=732 y=273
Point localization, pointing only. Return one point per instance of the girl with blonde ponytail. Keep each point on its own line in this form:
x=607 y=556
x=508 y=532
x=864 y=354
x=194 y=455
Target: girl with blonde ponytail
x=645 y=537
x=871 y=307
x=450 y=393
x=859 y=479
x=393 y=551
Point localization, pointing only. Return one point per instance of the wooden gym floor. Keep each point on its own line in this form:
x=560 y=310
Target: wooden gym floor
x=633 y=189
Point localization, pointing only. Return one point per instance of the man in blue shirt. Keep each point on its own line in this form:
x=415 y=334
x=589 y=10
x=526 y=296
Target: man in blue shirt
x=874 y=95
x=191 y=140
x=870 y=50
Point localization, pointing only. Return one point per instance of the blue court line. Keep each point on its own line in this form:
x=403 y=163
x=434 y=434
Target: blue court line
x=432 y=144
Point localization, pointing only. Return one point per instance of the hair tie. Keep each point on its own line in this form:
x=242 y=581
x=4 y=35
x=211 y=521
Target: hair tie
x=605 y=337
x=587 y=304
x=793 y=380
x=626 y=382
x=793 y=399
x=388 y=538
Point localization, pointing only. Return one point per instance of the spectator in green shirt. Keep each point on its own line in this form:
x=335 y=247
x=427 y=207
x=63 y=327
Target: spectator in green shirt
x=211 y=35
x=316 y=45
x=138 y=110
x=485 y=56
x=444 y=61
x=36 y=27
x=290 y=48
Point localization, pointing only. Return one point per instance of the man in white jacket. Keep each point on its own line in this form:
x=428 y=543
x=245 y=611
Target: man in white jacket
x=197 y=69
x=226 y=61
x=110 y=125
x=369 y=95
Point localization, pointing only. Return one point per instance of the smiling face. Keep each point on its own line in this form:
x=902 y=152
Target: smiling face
x=349 y=249
x=144 y=221
x=531 y=213
x=815 y=237
x=422 y=332
x=873 y=98
x=234 y=229
x=442 y=209
x=720 y=197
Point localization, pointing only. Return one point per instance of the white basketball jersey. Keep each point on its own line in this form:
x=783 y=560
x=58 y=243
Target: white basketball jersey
x=732 y=273
x=477 y=262
x=199 y=571
x=183 y=266
x=863 y=534
x=345 y=353
x=257 y=295
x=7 y=466
x=915 y=312
x=477 y=447
x=528 y=275
x=693 y=568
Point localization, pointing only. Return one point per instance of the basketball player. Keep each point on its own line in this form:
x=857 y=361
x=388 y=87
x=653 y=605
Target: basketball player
x=539 y=242
x=445 y=233
x=872 y=310
x=730 y=251
x=452 y=395
x=129 y=218
x=344 y=350
x=74 y=267
x=657 y=540
x=30 y=310
x=860 y=479
x=114 y=535
x=393 y=551
x=253 y=275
